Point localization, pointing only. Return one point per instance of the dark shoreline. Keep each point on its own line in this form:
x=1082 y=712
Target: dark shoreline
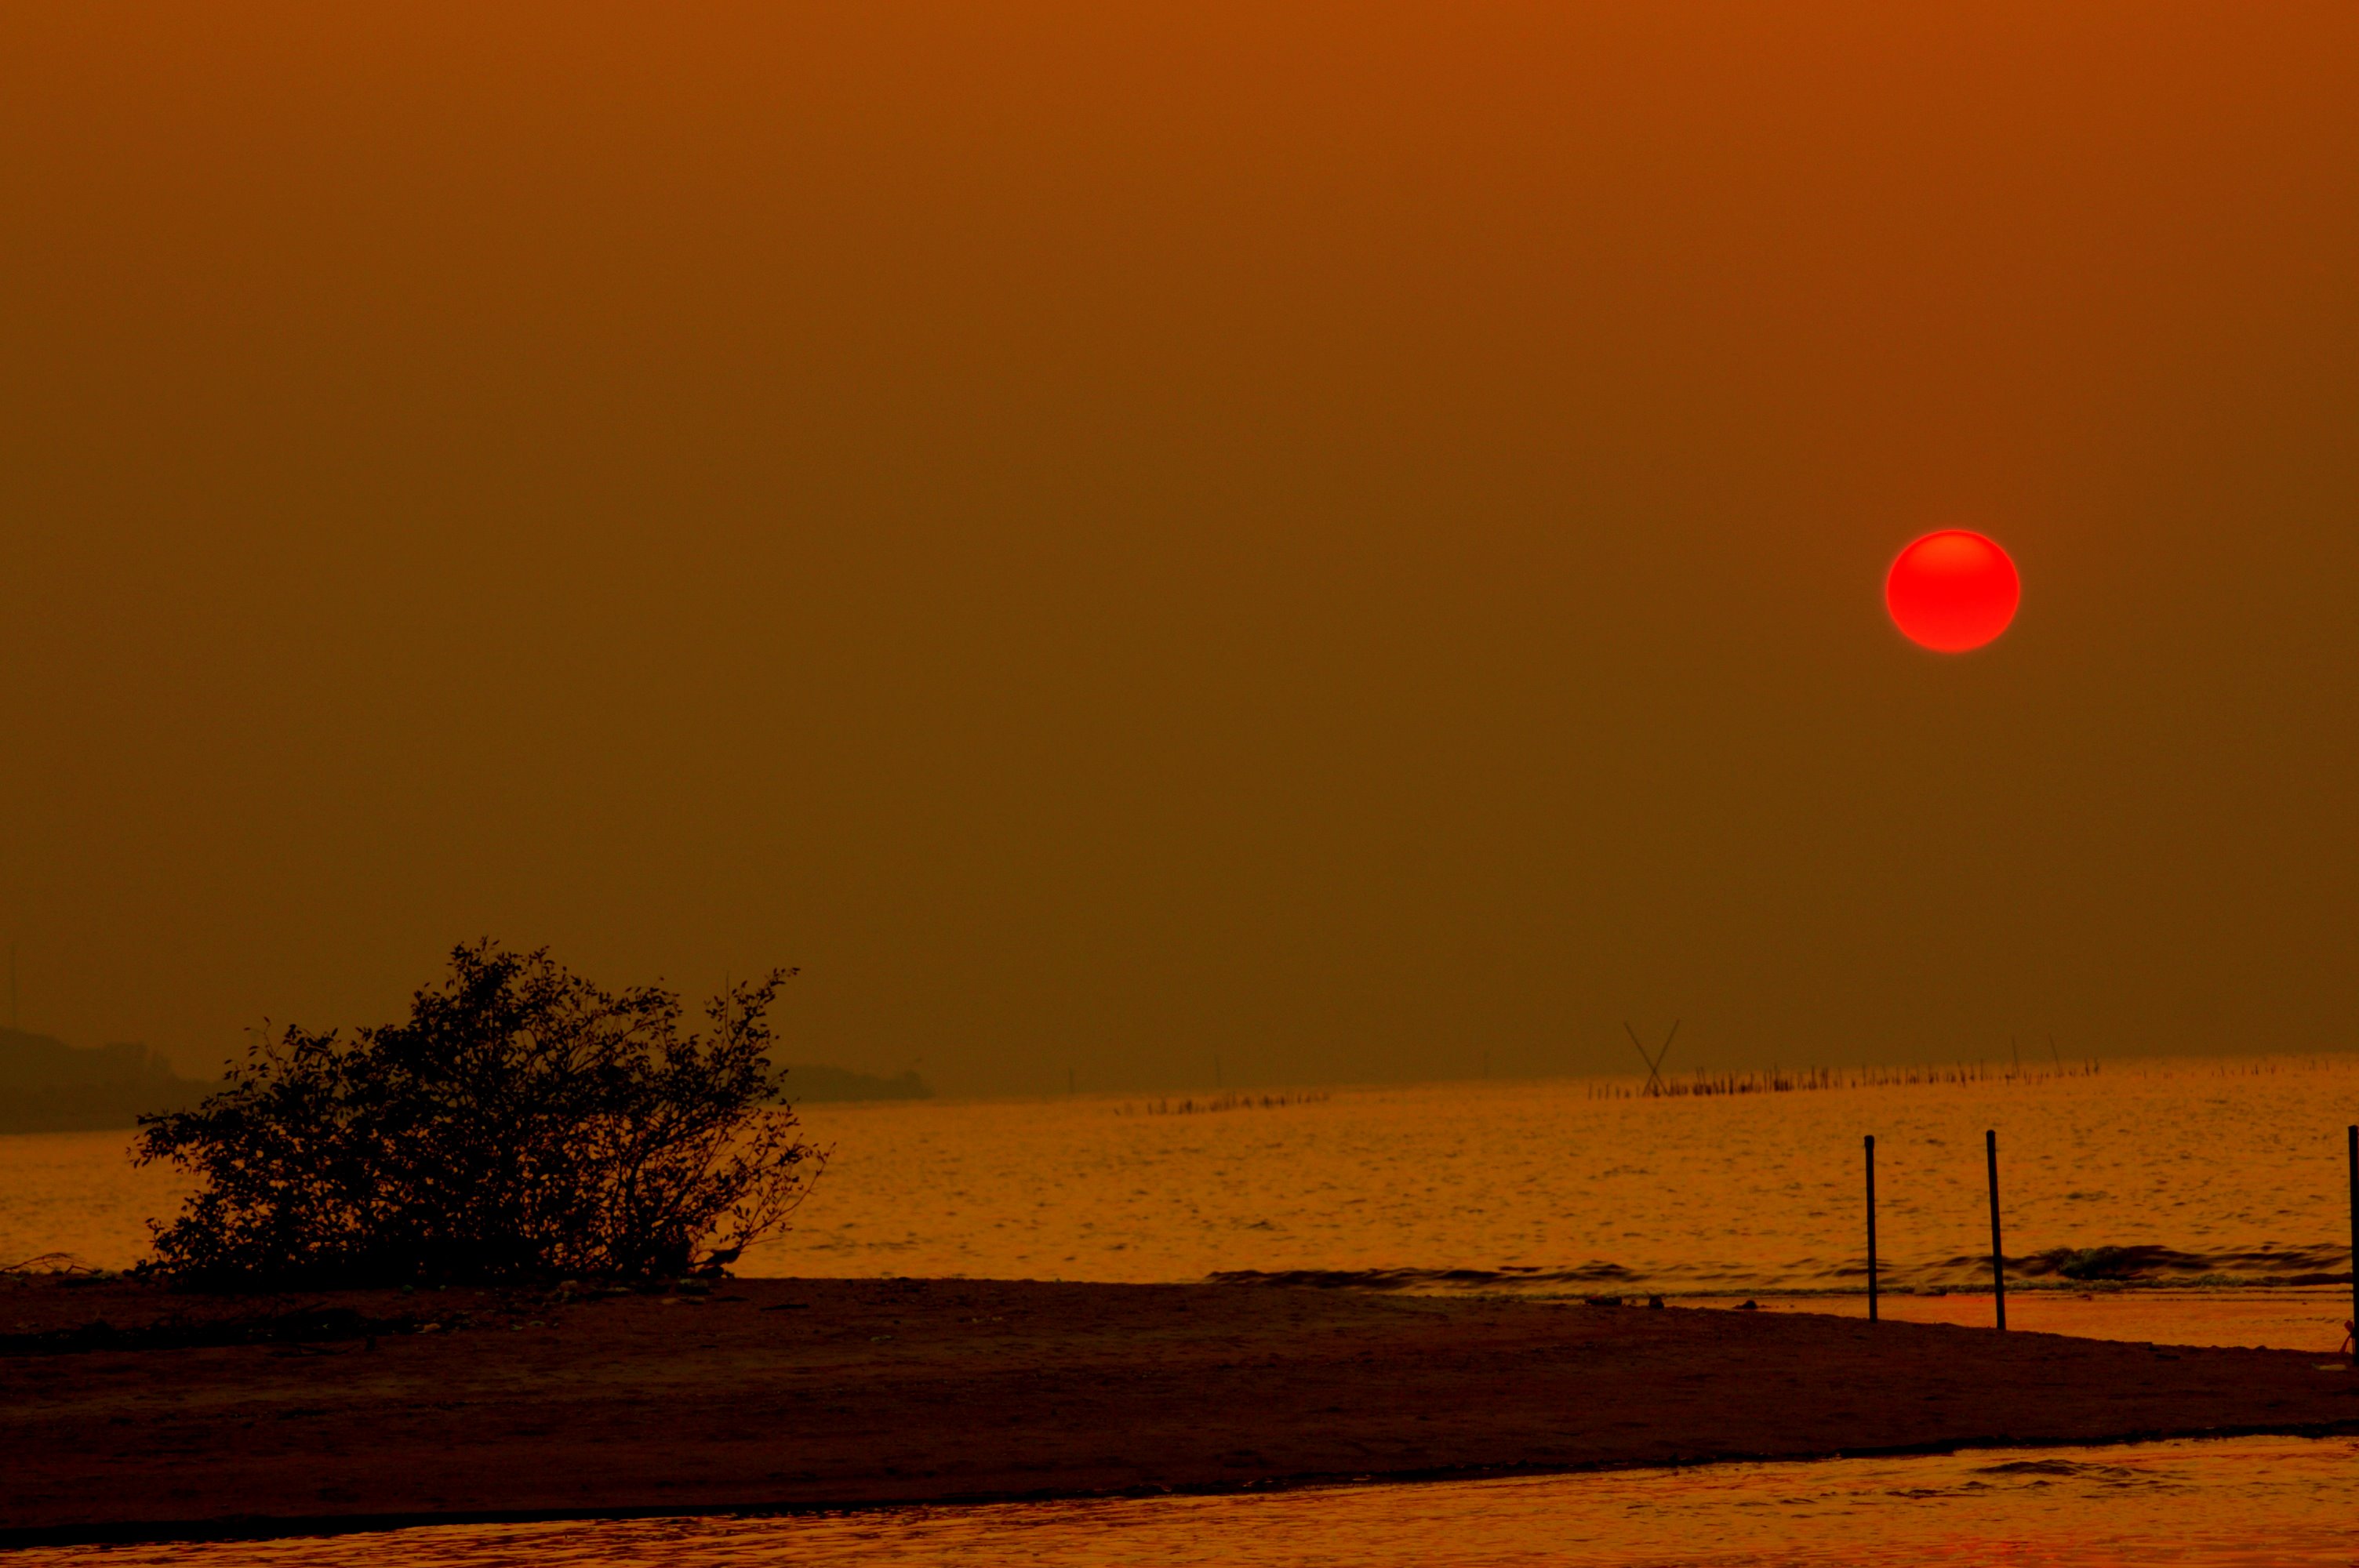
x=784 y=1397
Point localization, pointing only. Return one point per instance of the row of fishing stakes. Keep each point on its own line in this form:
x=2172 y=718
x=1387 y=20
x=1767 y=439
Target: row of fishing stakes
x=1998 y=1258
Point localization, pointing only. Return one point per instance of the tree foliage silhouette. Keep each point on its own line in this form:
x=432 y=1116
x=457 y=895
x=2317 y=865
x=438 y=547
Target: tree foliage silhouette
x=522 y=1124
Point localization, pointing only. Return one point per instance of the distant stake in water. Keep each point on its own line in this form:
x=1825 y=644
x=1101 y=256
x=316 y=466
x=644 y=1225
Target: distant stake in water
x=1871 y=1227
x=2351 y=1134
x=1998 y=1258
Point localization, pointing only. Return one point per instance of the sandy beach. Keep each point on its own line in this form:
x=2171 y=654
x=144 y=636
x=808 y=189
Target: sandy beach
x=210 y=1416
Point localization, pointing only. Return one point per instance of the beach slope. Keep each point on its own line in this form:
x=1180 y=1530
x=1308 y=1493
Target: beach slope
x=189 y=1415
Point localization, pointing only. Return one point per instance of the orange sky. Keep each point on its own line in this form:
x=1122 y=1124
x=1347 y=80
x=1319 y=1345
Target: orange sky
x=1349 y=537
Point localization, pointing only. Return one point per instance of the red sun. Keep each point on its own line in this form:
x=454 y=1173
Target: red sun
x=1952 y=590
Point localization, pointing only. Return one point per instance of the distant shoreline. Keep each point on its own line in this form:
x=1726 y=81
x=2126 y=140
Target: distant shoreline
x=93 y=1108
x=211 y=1416
x=47 y=1085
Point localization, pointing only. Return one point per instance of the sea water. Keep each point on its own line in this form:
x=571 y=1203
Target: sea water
x=2225 y=1174
x=2232 y=1173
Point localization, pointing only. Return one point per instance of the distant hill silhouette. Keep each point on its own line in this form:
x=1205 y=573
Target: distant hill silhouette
x=818 y=1085
x=47 y=1086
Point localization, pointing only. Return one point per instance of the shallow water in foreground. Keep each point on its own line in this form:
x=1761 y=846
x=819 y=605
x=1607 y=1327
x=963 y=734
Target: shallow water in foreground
x=2283 y=1502
x=2310 y=1320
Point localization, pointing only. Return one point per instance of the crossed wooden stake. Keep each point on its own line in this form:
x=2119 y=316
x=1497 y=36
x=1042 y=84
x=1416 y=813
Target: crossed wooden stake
x=1654 y=1059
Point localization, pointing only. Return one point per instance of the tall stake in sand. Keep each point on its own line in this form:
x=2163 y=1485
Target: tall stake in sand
x=1871 y=1227
x=1998 y=1258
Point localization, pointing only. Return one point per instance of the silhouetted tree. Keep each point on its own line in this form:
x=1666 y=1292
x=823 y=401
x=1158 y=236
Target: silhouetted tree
x=522 y=1124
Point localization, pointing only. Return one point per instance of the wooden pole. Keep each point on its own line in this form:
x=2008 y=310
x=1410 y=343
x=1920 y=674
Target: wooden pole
x=1998 y=1258
x=1871 y=1227
x=2352 y=1134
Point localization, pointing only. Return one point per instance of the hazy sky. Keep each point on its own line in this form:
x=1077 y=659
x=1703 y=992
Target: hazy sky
x=1346 y=535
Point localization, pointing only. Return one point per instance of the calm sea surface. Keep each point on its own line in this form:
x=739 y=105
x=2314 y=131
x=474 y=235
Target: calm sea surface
x=2231 y=1173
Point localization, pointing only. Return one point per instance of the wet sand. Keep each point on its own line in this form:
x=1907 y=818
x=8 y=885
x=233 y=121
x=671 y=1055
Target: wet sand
x=2306 y=1319
x=781 y=1394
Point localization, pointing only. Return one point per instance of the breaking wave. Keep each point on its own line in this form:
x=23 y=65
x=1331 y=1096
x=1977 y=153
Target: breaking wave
x=2144 y=1265
x=1509 y=1277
